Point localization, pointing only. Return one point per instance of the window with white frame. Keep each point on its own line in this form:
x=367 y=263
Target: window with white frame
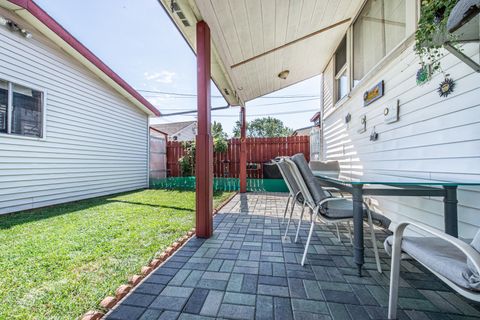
x=21 y=110
x=379 y=28
x=341 y=73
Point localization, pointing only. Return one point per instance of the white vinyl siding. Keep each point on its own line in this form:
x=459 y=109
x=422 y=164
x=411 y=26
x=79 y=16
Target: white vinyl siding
x=95 y=141
x=436 y=138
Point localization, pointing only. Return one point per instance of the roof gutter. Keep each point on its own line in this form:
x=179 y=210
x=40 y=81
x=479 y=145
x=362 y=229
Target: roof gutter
x=40 y=19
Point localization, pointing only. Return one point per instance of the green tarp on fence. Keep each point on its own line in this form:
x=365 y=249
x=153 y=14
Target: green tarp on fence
x=220 y=184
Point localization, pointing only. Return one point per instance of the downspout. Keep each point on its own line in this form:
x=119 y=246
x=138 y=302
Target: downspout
x=322 y=146
x=148 y=151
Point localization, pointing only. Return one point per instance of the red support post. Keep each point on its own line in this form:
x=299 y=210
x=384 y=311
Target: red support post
x=243 y=151
x=204 y=142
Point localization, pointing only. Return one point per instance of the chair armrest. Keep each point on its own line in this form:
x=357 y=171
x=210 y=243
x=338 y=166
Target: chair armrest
x=468 y=250
x=330 y=199
x=331 y=190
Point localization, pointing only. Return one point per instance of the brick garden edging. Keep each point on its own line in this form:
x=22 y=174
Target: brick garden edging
x=122 y=291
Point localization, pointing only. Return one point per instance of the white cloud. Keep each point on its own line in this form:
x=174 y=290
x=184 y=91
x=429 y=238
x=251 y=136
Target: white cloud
x=163 y=76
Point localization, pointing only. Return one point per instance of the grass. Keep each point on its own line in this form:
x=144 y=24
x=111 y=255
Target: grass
x=59 y=262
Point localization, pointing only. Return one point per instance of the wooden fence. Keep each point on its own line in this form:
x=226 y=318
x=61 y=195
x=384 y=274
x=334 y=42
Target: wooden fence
x=259 y=150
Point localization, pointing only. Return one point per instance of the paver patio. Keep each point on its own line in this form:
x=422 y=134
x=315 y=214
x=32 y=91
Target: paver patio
x=247 y=270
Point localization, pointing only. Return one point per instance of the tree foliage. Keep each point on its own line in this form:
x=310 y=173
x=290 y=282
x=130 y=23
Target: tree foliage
x=220 y=144
x=217 y=130
x=187 y=162
x=264 y=128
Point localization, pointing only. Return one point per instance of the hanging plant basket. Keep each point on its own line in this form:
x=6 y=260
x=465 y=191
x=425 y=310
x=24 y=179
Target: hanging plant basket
x=432 y=32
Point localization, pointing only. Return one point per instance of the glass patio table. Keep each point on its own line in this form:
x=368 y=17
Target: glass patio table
x=394 y=186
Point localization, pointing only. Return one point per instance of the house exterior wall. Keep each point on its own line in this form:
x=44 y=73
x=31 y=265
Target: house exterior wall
x=435 y=138
x=186 y=134
x=96 y=142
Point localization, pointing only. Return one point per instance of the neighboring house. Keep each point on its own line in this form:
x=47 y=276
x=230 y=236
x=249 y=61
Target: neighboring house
x=305 y=131
x=178 y=131
x=70 y=128
x=314 y=132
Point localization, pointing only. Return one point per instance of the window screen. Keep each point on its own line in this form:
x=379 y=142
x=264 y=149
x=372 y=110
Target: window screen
x=341 y=56
x=379 y=28
x=27 y=111
x=341 y=74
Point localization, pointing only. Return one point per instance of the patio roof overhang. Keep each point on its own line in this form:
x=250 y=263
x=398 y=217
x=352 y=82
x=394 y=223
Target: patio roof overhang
x=250 y=49
x=253 y=41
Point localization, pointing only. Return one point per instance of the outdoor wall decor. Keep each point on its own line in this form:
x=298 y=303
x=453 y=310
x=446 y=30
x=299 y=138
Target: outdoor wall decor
x=373 y=94
x=424 y=74
x=374 y=135
x=390 y=113
x=363 y=123
x=446 y=87
x=348 y=117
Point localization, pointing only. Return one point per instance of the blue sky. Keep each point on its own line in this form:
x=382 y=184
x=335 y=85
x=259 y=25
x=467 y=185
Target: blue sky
x=139 y=42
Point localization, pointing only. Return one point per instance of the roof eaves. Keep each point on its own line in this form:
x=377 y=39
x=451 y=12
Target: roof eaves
x=45 y=19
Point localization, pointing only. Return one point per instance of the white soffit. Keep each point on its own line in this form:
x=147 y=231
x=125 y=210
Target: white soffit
x=244 y=29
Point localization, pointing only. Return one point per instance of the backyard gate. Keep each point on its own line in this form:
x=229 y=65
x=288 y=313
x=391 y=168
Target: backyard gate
x=158 y=154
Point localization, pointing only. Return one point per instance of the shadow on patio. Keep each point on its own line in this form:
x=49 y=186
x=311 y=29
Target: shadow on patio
x=246 y=271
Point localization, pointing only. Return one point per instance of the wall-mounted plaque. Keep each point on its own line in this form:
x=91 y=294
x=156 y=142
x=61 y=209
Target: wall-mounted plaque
x=363 y=124
x=373 y=94
x=390 y=113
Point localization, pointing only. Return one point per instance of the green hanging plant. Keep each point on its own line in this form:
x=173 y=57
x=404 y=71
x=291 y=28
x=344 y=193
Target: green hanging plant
x=432 y=32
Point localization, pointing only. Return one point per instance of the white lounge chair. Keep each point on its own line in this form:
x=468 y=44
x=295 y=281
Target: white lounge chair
x=453 y=261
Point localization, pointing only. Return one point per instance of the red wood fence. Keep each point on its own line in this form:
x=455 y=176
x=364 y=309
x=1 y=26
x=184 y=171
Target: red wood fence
x=259 y=150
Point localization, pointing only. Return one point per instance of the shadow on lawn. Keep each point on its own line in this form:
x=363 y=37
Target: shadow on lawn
x=10 y=220
x=153 y=205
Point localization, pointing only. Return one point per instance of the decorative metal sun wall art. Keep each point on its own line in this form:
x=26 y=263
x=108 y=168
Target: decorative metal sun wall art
x=446 y=87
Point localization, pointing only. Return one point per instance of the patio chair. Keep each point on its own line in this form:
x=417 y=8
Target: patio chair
x=323 y=206
x=294 y=191
x=455 y=262
x=328 y=169
x=327 y=193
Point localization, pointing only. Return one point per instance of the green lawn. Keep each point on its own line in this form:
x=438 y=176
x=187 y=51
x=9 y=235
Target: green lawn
x=61 y=261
